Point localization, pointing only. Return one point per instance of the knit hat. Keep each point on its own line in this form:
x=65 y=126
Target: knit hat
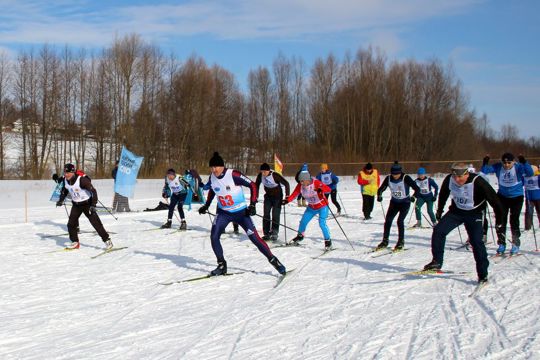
x=171 y=172
x=421 y=171
x=304 y=175
x=324 y=166
x=507 y=157
x=265 y=167
x=69 y=168
x=216 y=160
x=369 y=166
x=396 y=168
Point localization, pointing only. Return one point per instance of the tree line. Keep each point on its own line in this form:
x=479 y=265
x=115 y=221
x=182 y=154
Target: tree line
x=63 y=104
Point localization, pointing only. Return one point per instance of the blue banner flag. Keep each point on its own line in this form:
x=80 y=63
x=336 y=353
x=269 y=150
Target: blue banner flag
x=126 y=177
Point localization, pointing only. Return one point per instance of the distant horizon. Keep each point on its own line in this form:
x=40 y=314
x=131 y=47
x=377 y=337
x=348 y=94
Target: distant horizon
x=490 y=44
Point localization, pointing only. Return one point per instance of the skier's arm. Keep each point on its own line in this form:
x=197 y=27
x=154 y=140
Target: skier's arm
x=295 y=192
x=258 y=181
x=444 y=194
x=87 y=185
x=242 y=180
x=281 y=180
x=335 y=179
x=361 y=181
x=383 y=186
x=434 y=186
x=63 y=193
x=409 y=181
x=491 y=197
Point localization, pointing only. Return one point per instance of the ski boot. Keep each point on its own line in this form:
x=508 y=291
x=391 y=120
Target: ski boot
x=327 y=245
x=73 y=246
x=338 y=213
x=167 y=225
x=297 y=239
x=482 y=279
x=382 y=245
x=235 y=229
x=220 y=270
x=266 y=237
x=514 y=250
x=399 y=246
x=108 y=244
x=183 y=225
x=418 y=225
x=278 y=265
x=501 y=249
x=273 y=237
x=304 y=203
x=433 y=265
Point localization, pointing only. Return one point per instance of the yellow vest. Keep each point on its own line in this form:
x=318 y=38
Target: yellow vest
x=372 y=187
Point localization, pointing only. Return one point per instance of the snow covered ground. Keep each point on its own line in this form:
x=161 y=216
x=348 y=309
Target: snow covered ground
x=344 y=305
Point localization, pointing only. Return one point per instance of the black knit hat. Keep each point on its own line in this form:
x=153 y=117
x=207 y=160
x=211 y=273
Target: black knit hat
x=69 y=168
x=507 y=157
x=265 y=166
x=396 y=168
x=216 y=160
x=369 y=166
x=171 y=171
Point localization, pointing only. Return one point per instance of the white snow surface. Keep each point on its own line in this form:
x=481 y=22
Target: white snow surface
x=344 y=305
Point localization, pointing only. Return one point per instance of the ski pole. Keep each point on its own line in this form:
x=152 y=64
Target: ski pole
x=410 y=217
x=343 y=231
x=175 y=215
x=342 y=203
x=285 y=221
x=534 y=231
x=275 y=222
x=382 y=207
x=491 y=226
x=459 y=231
x=65 y=208
x=109 y=211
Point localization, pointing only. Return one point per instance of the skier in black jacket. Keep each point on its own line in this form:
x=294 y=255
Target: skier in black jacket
x=469 y=195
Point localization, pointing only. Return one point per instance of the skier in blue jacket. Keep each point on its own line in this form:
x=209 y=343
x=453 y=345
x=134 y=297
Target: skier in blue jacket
x=510 y=175
x=427 y=195
x=328 y=178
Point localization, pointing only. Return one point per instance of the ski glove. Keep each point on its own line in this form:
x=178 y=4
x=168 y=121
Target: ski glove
x=521 y=159
x=486 y=160
x=59 y=203
x=164 y=195
x=251 y=210
x=438 y=215
x=434 y=198
x=284 y=202
x=203 y=209
x=379 y=198
x=413 y=199
x=55 y=178
x=92 y=210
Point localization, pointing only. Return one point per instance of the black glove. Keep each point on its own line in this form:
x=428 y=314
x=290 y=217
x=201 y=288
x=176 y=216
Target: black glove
x=319 y=191
x=413 y=199
x=59 y=203
x=164 y=195
x=486 y=160
x=521 y=159
x=55 y=177
x=203 y=209
x=92 y=209
x=434 y=198
x=284 y=202
x=251 y=210
x=438 y=215
x=379 y=198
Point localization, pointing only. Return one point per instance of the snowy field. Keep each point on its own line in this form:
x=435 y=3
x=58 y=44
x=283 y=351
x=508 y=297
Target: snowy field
x=344 y=305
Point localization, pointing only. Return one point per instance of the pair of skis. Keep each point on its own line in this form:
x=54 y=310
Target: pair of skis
x=280 y=278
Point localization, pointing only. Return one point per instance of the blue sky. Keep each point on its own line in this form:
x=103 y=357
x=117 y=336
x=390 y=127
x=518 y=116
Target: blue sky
x=493 y=45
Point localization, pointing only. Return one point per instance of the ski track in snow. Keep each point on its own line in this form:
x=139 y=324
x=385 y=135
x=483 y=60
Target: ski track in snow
x=343 y=305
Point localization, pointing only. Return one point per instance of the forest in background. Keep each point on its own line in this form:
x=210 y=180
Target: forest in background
x=62 y=104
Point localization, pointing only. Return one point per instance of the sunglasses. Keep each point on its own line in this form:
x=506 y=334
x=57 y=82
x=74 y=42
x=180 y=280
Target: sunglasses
x=460 y=172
